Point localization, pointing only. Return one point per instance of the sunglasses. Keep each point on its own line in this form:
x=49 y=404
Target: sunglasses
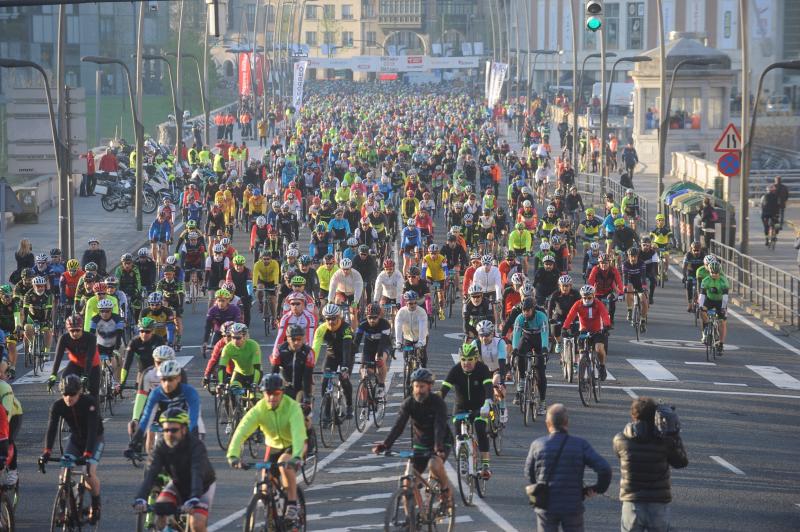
x=331 y=320
x=297 y=338
x=103 y=311
x=296 y=303
x=469 y=359
x=485 y=335
x=371 y=318
x=171 y=431
x=587 y=298
x=476 y=296
x=237 y=337
x=69 y=394
x=276 y=393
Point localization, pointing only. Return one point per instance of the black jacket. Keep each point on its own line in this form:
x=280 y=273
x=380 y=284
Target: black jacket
x=645 y=461
x=186 y=464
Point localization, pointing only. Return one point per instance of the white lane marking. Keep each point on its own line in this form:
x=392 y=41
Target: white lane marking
x=609 y=376
x=777 y=377
x=222 y=523
x=631 y=393
x=44 y=375
x=652 y=370
x=456 y=357
x=343 y=513
x=727 y=465
x=373 y=480
x=687 y=390
x=731 y=384
x=479 y=503
x=749 y=323
x=454 y=336
x=372 y=496
x=701 y=363
x=379 y=526
x=360 y=469
x=369 y=456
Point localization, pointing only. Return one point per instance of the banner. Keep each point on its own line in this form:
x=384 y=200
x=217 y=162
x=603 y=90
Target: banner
x=486 y=79
x=498 y=74
x=395 y=63
x=299 y=79
x=245 y=81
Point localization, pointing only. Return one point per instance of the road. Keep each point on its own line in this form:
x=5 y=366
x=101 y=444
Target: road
x=740 y=425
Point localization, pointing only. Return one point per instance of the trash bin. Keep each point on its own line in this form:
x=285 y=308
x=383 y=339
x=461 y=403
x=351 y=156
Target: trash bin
x=27 y=197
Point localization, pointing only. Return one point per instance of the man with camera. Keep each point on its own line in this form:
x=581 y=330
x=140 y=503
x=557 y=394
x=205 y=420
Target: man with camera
x=646 y=448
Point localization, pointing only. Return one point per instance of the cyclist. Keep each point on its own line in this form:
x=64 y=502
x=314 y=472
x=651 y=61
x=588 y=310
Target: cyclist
x=559 y=305
x=456 y=257
x=245 y=353
x=242 y=280
x=411 y=326
x=702 y=271
x=472 y=381
x=508 y=267
x=324 y=274
x=692 y=261
x=376 y=333
x=545 y=279
x=492 y=350
x=593 y=318
x=624 y=237
x=294 y=361
x=388 y=285
x=141 y=348
x=162 y=315
x=431 y=437
x=100 y=290
x=81 y=349
x=216 y=353
x=108 y=329
x=217 y=266
x=531 y=336
x=173 y=294
x=266 y=275
x=630 y=207
x=130 y=281
x=488 y=277
x=148 y=270
x=220 y=312
x=80 y=413
x=591 y=258
x=477 y=308
x=634 y=274
x=651 y=259
x=337 y=335
x=365 y=264
x=281 y=420
x=511 y=294
x=37 y=309
x=589 y=227
x=298 y=314
x=12 y=409
x=68 y=284
x=347 y=286
x=606 y=280
x=714 y=295
x=411 y=238
x=309 y=273
x=9 y=321
x=662 y=237
x=184 y=458
x=434 y=269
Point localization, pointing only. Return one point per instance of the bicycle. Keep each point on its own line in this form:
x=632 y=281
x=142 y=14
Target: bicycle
x=230 y=404
x=71 y=505
x=693 y=300
x=663 y=267
x=367 y=401
x=417 y=503
x=530 y=401
x=9 y=496
x=711 y=335
x=495 y=428
x=772 y=234
x=588 y=379
x=450 y=293
x=334 y=403
x=267 y=507
x=108 y=383
x=568 y=351
x=266 y=315
x=194 y=290
x=636 y=312
x=436 y=289
x=389 y=311
x=35 y=352
x=470 y=479
x=411 y=361
x=145 y=520
x=309 y=466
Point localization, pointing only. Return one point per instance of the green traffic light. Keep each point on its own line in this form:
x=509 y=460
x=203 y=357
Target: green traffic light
x=593 y=23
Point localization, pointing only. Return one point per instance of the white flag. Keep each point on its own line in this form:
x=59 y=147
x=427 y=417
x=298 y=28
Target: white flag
x=299 y=78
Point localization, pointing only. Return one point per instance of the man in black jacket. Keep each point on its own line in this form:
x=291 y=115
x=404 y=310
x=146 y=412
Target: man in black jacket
x=645 y=458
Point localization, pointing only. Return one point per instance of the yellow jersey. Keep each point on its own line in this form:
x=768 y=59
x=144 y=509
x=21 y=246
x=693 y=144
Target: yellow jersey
x=268 y=274
x=434 y=266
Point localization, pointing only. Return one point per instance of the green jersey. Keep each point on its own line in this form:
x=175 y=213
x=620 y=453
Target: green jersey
x=245 y=358
x=714 y=289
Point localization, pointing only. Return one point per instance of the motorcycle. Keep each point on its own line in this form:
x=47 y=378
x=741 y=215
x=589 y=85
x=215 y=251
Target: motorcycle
x=116 y=195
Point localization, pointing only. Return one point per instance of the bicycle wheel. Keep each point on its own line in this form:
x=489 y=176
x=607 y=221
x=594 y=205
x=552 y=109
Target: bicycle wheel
x=259 y=515
x=524 y=404
x=636 y=319
x=569 y=347
x=309 y=468
x=107 y=391
x=595 y=383
x=708 y=343
x=379 y=410
x=408 y=369
x=6 y=513
x=584 y=382
x=451 y=299
x=401 y=512
x=254 y=445
x=496 y=430
x=439 y=516
x=362 y=406
x=35 y=348
x=59 y=518
x=481 y=483
x=533 y=398
x=466 y=481
x=225 y=421
x=326 y=432
x=344 y=425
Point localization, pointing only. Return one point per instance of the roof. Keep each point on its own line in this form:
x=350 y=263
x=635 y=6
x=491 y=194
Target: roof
x=679 y=49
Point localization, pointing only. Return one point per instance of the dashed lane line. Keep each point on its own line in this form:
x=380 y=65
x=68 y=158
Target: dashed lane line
x=727 y=465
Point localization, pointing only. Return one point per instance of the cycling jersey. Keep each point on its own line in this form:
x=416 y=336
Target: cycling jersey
x=283 y=427
x=715 y=289
x=604 y=281
x=593 y=318
x=520 y=241
x=163 y=317
x=537 y=325
x=69 y=284
x=296 y=368
x=377 y=338
x=348 y=283
x=324 y=275
x=473 y=314
x=82 y=418
x=184 y=396
x=130 y=281
x=339 y=343
x=37 y=308
x=434 y=267
x=306 y=320
x=429 y=423
x=142 y=351
x=90 y=310
x=489 y=281
x=411 y=326
x=108 y=332
x=267 y=274
x=493 y=354
x=472 y=389
x=661 y=236
x=635 y=273
x=388 y=286
x=591 y=227
x=81 y=352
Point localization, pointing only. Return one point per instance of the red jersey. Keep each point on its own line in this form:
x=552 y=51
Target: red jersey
x=216 y=354
x=593 y=318
x=605 y=281
x=469 y=274
x=70 y=282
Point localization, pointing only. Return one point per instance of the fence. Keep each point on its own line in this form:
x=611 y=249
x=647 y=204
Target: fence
x=592 y=187
x=766 y=289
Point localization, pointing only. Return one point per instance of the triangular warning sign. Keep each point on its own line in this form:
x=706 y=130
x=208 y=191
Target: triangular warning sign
x=729 y=141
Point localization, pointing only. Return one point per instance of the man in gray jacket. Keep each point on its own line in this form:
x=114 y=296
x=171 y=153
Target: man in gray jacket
x=566 y=478
x=645 y=458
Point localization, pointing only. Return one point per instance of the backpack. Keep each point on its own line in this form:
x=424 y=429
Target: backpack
x=666 y=422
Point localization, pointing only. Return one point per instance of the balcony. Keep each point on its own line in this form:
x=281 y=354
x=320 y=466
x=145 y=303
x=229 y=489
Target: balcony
x=402 y=14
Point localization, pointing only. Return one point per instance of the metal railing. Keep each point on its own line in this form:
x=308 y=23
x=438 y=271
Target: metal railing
x=766 y=288
x=592 y=187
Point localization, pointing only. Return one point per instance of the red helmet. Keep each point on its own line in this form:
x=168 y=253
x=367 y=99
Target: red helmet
x=100 y=288
x=388 y=263
x=73 y=322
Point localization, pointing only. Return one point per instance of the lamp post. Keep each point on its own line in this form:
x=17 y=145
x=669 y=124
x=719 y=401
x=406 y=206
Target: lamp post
x=664 y=126
x=558 y=67
x=575 y=138
x=536 y=54
x=64 y=236
x=629 y=59
x=138 y=131
x=747 y=148
x=175 y=103
x=662 y=94
x=575 y=86
x=206 y=111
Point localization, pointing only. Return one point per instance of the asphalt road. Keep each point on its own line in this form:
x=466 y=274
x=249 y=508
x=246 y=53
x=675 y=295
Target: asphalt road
x=739 y=416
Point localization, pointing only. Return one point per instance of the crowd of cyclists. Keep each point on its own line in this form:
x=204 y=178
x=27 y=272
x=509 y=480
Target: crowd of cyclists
x=406 y=219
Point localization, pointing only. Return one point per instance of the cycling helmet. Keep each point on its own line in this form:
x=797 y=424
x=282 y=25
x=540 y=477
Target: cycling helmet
x=168 y=368
x=229 y=286
x=171 y=259
x=92 y=240
x=422 y=375
x=363 y=249
x=143 y=252
x=73 y=264
x=194 y=235
x=544 y=246
x=225 y=241
x=520 y=226
x=469 y=351
x=331 y=311
x=295 y=330
x=42 y=281
x=388 y=263
x=111 y=281
x=433 y=248
x=261 y=221
x=486 y=260
x=225 y=328
x=276 y=205
x=238 y=328
x=163 y=353
x=549 y=258
x=373 y=310
x=70 y=384
x=619 y=222
x=191 y=224
x=715 y=267
x=527 y=290
x=590 y=212
x=602 y=257
x=614 y=211
x=239 y=259
x=271 y=382
x=41 y=257
x=174 y=414
x=518 y=278
x=305 y=260
x=55 y=252
x=475 y=289
x=6 y=290
x=147 y=324
x=410 y=296
x=551 y=209
x=565 y=280
x=345 y=263
x=528 y=303
x=414 y=271
x=298 y=280
x=709 y=259
x=292 y=253
x=555 y=239
x=105 y=304
x=660 y=217
x=587 y=290
x=646 y=240
x=223 y=294
x=219 y=248
x=633 y=251
x=410 y=222
x=74 y=322
x=127 y=257
x=296 y=296
x=594 y=246
x=352 y=242
x=485 y=328
x=90 y=267
x=527 y=204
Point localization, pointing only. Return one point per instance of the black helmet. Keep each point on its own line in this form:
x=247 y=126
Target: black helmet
x=528 y=303
x=422 y=375
x=271 y=383
x=295 y=330
x=70 y=384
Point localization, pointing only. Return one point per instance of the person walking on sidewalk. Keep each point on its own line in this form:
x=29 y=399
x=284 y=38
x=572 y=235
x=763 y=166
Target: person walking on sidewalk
x=783 y=196
x=565 y=474
x=630 y=159
x=646 y=454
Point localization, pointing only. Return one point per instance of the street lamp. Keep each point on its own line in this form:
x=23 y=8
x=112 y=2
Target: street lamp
x=629 y=59
x=532 y=73
x=747 y=149
x=138 y=131
x=664 y=127
x=577 y=98
x=206 y=111
x=175 y=104
x=64 y=191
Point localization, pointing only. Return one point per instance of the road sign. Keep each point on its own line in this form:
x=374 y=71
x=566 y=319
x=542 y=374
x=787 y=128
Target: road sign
x=729 y=164
x=729 y=141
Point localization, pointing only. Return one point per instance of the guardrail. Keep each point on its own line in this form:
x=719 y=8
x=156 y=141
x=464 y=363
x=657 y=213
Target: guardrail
x=768 y=291
x=592 y=187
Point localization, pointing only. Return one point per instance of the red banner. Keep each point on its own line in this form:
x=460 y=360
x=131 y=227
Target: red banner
x=245 y=82
x=259 y=74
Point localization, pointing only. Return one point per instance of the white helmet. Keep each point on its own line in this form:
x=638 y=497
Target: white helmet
x=485 y=328
x=105 y=304
x=345 y=263
x=169 y=368
x=475 y=289
x=527 y=290
x=544 y=246
x=292 y=253
x=163 y=353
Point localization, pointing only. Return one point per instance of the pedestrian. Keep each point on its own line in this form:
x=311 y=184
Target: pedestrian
x=246 y=121
x=25 y=259
x=559 y=460
x=229 y=121
x=262 y=133
x=646 y=453
x=219 y=122
x=630 y=159
x=97 y=255
x=271 y=118
x=783 y=196
x=198 y=139
x=708 y=218
x=89 y=180
x=108 y=163
x=770 y=211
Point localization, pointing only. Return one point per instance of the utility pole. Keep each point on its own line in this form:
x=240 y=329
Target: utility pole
x=744 y=174
x=139 y=187
x=662 y=90
x=178 y=95
x=207 y=111
x=65 y=237
x=602 y=167
x=98 y=90
x=575 y=87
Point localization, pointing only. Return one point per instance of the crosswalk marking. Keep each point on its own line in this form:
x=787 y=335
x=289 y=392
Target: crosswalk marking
x=652 y=370
x=379 y=526
x=373 y=480
x=777 y=377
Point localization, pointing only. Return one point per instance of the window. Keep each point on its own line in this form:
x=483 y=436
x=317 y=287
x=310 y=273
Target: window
x=372 y=38
x=271 y=14
x=311 y=38
x=636 y=25
x=652 y=115
x=43 y=30
x=347 y=12
x=329 y=11
x=715 y=96
x=311 y=12
x=685 y=110
x=107 y=28
x=367 y=9
x=150 y=30
x=329 y=37
x=612 y=26
x=249 y=13
x=347 y=38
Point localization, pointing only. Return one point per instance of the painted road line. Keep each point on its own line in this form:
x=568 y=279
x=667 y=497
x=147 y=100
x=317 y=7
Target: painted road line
x=731 y=384
x=373 y=496
x=339 y=483
x=360 y=469
x=631 y=393
x=609 y=376
x=652 y=370
x=379 y=526
x=44 y=375
x=700 y=363
x=686 y=390
x=344 y=513
x=777 y=377
x=727 y=465
x=481 y=505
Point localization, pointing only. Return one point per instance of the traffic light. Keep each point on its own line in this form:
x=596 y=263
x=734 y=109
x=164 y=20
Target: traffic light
x=594 y=15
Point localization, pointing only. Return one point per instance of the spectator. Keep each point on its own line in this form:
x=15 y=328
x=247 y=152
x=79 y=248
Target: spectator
x=24 y=258
x=566 y=491
x=783 y=196
x=229 y=121
x=89 y=179
x=97 y=255
x=630 y=159
x=219 y=121
x=770 y=210
x=108 y=162
x=262 y=133
x=645 y=458
x=708 y=217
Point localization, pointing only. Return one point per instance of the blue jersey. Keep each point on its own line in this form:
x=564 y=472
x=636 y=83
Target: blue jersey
x=537 y=324
x=185 y=396
x=412 y=236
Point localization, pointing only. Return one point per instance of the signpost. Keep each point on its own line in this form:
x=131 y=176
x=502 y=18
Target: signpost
x=729 y=145
x=729 y=164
